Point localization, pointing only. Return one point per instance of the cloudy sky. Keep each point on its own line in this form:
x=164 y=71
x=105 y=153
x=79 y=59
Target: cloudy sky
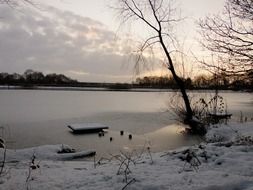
x=79 y=38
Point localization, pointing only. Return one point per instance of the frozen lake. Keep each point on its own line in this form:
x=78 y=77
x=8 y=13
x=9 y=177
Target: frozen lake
x=37 y=117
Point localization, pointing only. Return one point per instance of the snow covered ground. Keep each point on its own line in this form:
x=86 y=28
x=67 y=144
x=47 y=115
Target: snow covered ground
x=223 y=162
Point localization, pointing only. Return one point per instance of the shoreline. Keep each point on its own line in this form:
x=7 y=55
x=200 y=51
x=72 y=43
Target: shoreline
x=139 y=89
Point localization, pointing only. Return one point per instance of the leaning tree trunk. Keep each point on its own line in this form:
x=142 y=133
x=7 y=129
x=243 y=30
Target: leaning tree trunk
x=180 y=83
x=195 y=126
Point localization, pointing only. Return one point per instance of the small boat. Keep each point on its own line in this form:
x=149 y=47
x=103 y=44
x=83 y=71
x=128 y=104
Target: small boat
x=87 y=127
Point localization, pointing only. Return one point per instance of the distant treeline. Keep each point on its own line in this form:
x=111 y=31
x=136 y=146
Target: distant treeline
x=30 y=79
x=215 y=81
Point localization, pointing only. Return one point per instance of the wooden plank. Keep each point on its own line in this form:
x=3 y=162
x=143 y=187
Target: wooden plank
x=87 y=127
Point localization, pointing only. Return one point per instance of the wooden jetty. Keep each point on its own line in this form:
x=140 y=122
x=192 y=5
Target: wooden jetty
x=87 y=127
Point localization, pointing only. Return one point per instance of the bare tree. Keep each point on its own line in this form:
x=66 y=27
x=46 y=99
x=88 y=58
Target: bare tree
x=159 y=17
x=229 y=36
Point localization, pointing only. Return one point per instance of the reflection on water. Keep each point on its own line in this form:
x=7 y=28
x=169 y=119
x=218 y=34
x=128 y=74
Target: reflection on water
x=40 y=117
x=170 y=137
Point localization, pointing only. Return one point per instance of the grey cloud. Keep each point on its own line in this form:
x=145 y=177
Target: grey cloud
x=59 y=41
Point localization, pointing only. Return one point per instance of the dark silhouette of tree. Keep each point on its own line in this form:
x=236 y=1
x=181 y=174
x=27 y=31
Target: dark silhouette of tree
x=229 y=36
x=188 y=83
x=158 y=17
x=157 y=82
x=250 y=79
x=201 y=81
x=31 y=77
x=57 y=79
x=14 y=78
x=162 y=82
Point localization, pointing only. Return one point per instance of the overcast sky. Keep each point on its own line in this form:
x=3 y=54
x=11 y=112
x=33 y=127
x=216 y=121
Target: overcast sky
x=79 y=38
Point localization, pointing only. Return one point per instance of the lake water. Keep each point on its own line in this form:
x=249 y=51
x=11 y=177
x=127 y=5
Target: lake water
x=37 y=117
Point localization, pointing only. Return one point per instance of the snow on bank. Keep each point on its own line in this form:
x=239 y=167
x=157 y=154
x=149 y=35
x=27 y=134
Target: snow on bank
x=226 y=164
x=46 y=152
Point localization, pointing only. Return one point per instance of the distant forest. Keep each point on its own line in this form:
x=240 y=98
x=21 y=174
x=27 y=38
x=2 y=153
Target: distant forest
x=32 y=78
x=215 y=81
